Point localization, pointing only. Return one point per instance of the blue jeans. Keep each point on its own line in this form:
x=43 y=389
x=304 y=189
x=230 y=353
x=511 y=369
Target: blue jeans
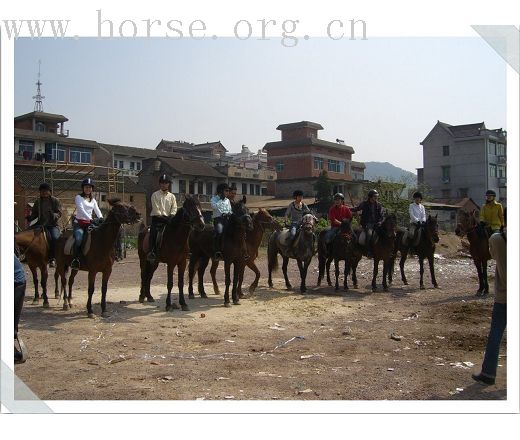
x=294 y=228
x=78 y=232
x=330 y=234
x=498 y=325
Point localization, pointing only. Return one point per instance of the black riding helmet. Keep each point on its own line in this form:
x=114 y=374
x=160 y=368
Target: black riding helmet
x=44 y=186
x=88 y=181
x=372 y=193
x=339 y=196
x=221 y=187
x=490 y=192
x=165 y=179
x=297 y=193
x=417 y=195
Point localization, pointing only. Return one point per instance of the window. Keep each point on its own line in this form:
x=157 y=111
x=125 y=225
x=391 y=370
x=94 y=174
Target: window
x=40 y=126
x=192 y=187
x=131 y=199
x=132 y=166
x=55 y=153
x=279 y=167
x=79 y=156
x=138 y=166
x=244 y=188
x=492 y=170
x=446 y=193
x=318 y=163
x=182 y=186
x=342 y=167
x=445 y=150
x=501 y=171
x=251 y=188
x=463 y=192
x=492 y=148
x=501 y=150
x=445 y=174
x=26 y=149
x=209 y=188
x=257 y=190
x=115 y=163
x=121 y=164
x=200 y=188
x=334 y=166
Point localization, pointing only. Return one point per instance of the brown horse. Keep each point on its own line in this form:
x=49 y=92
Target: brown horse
x=478 y=246
x=425 y=248
x=302 y=251
x=341 y=250
x=261 y=220
x=33 y=244
x=99 y=258
x=174 y=251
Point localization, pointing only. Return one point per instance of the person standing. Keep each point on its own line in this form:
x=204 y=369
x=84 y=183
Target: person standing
x=221 y=212
x=85 y=205
x=19 y=294
x=45 y=213
x=164 y=207
x=498 y=251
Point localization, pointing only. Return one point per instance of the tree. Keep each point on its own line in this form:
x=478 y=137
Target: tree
x=323 y=188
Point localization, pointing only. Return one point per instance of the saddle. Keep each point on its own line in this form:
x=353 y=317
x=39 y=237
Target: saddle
x=85 y=245
x=158 y=242
x=373 y=239
x=408 y=237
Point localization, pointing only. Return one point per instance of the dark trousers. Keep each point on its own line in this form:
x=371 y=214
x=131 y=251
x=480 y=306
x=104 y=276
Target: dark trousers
x=498 y=325
x=19 y=294
x=219 y=224
x=157 y=223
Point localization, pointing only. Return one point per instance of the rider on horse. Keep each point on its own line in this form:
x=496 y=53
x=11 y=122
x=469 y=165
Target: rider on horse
x=371 y=216
x=337 y=213
x=417 y=217
x=164 y=207
x=232 y=193
x=85 y=205
x=295 y=212
x=491 y=214
x=46 y=211
x=221 y=212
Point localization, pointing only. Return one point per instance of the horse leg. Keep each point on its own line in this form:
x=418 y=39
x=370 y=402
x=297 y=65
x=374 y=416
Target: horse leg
x=91 y=282
x=68 y=302
x=404 y=255
x=227 y=268
x=321 y=269
x=236 y=276
x=390 y=274
x=354 y=275
x=327 y=265
x=240 y=281
x=432 y=271
x=34 y=272
x=336 y=273
x=43 y=282
x=144 y=276
x=303 y=266
x=421 y=272
x=485 y=277
x=480 y=277
x=191 y=275
x=386 y=270
x=56 y=289
x=169 y=286
x=345 y=275
x=104 y=286
x=254 y=284
x=181 y=268
x=203 y=264
x=374 y=274
x=151 y=270
x=213 y=272
x=284 y=270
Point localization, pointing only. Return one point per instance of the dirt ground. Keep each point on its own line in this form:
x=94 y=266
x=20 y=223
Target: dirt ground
x=277 y=344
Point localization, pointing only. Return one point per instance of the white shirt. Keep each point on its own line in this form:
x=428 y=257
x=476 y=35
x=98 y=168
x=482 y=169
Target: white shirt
x=164 y=203
x=84 y=208
x=417 y=213
x=220 y=206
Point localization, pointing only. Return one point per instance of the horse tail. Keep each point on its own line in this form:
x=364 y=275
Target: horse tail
x=272 y=253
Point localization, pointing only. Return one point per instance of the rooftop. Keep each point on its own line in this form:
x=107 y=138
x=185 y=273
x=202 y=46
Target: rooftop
x=190 y=167
x=43 y=116
x=302 y=124
x=44 y=135
x=309 y=141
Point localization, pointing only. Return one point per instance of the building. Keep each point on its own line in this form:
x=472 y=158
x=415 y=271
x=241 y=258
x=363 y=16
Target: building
x=247 y=181
x=247 y=159
x=127 y=160
x=446 y=211
x=208 y=150
x=300 y=156
x=463 y=161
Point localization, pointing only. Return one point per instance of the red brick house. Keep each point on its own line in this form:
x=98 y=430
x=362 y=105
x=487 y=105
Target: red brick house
x=301 y=156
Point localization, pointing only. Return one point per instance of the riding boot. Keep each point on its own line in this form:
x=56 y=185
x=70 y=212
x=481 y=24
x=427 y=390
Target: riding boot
x=74 y=264
x=152 y=256
x=52 y=246
x=217 y=245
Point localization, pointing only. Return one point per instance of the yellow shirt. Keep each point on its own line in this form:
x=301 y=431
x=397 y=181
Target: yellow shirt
x=163 y=204
x=492 y=215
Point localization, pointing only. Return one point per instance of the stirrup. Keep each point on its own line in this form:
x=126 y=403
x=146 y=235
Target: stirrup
x=74 y=264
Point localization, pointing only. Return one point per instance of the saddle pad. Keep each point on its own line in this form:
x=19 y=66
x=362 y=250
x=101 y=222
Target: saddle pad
x=69 y=245
x=146 y=240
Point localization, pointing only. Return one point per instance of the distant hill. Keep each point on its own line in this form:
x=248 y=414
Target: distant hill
x=388 y=172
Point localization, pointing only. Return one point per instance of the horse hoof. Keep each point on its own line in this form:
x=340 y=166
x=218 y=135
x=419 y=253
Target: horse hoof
x=405 y=283
x=385 y=289
x=436 y=286
x=105 y=315
x=35 y=302
x=374 y=289
x=252 y=288
x=227 y=304
x=46 y=304
x=191 y=296
x=330 y=284
x=355 y=286
x=141 y=299
x=421 y=287
x=150 y=299
x=91 y=315
x=65 y=307
x=241 y=295
x=203 y=295
x=236 y=303
x=185 y=308
x=270 y=285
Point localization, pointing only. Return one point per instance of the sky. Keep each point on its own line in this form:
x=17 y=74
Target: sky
x=382 y=96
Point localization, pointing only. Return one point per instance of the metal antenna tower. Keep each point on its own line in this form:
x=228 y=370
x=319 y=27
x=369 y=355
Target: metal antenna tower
x=38 y=105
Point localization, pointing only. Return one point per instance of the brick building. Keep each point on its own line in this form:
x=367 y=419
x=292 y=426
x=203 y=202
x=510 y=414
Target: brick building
x=301 y=156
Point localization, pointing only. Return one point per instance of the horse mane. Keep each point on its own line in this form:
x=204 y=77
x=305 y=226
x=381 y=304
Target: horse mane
x=177 y=218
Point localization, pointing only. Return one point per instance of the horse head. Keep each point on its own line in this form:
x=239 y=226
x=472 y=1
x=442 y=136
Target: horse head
x=263 y=218
x=346 y=230
x=308 y=223
x=432 y=228
x=241 y=214
x=466 y=222
x=192 y=212
x=123 y=212
x=389 y=226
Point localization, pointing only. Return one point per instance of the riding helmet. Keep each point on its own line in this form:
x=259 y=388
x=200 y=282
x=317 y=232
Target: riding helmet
x=87 y=181
x=372 y=193
x=44 y=186
x=165 y=179
x=297 y=193
x=221 y=187
x=417 y=195
x=339 y=196
x=490 y=192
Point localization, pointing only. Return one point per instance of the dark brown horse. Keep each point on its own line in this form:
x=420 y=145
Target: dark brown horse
x=174 y=251
x=99 y=258
x=302 y=251
x=425 y=248
x=33 y=244
x=261 y=221
x=341 y=250
x=478 y=246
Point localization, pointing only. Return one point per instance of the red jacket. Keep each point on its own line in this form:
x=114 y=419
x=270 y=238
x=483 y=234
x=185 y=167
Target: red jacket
x=339 y=213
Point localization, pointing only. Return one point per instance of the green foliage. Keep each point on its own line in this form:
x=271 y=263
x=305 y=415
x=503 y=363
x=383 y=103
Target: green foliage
x=323 y=188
